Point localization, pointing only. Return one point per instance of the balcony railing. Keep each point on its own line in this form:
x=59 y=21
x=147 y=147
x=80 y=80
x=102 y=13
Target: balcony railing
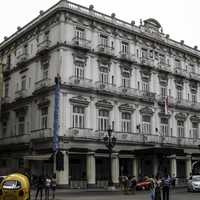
x=136 y=93
x=107 y=50
x=81 y=43
x=181 y=72
x=147 y=61
x=126 y=56
x=43 y=46
x=105 y=86
x=195 y=76
x=41 y=133
x=81 y=82
x=43 y=83
x=22 y=58
x=20 y=94
x=130 y=137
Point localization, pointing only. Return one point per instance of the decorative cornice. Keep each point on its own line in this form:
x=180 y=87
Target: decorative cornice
x=80 y=100
x=181 y=116
x=21 y=110
x=104 y=104
x=43 y=102
x=195 y=118
x=146 y=111
x=126 y=108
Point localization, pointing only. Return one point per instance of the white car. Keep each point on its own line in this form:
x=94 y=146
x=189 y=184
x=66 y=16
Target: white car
x=194 y=183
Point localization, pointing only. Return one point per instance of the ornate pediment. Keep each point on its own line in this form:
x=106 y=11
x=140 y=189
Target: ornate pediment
x=195 y=118
x=80 y=100
x=145 y=75
x=181 y=116
x=21 y=110
x=163 y=79
x=79 y=57
x=146 y=111
x=126 y=108
x=193 y=86
x=104 y=104
x=179 y=82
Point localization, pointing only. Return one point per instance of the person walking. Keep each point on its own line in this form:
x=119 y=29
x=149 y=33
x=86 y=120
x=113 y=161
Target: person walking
x=152 y=188
x=133 y=184
x=40 y=187
x=165 y=186
x=53 y=185
x=158 y=187
x=47 y=187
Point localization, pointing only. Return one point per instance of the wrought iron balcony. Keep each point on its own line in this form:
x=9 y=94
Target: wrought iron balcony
x=147 y=62
x=43 y=46
x=20 y=94
x=80 y=82
x=41 y=134
x=105 y=86
x=43 y=83
x=181 y=72
x=81 y=43
x=106 y=50
x=195 y=76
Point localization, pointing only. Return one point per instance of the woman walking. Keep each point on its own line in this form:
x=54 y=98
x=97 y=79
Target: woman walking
x=158 y=183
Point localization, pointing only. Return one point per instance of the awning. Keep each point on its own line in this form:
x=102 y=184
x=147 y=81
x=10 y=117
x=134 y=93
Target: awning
x=38 y=157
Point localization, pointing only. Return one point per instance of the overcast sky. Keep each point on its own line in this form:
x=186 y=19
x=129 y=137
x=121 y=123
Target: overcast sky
x=179 y=18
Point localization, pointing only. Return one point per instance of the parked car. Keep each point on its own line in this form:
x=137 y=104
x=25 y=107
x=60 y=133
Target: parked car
x=143 y=184
x=194 y=183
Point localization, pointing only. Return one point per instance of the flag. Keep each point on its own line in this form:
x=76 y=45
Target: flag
x=166 y=105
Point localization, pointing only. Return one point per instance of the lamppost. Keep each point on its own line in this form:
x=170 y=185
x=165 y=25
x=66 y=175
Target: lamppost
x=110 y=142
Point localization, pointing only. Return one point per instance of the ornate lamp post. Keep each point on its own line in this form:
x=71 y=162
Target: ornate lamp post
x=110 y=142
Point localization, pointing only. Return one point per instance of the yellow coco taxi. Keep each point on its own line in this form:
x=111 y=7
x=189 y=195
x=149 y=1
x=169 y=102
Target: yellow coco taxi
x=15 y=187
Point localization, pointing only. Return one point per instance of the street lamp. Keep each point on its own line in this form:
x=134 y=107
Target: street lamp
x=110 y=142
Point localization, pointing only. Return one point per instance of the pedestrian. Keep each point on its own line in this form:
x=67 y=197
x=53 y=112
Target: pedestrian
x=157 y=187
x=152 y=188
x=133 y=184
x=125 y=184
x=47 y=187
x=40 y=187
x=166 y=186
x=173 y=181
x=53 y=185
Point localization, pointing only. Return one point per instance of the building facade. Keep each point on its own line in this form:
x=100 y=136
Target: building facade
x=113 y=73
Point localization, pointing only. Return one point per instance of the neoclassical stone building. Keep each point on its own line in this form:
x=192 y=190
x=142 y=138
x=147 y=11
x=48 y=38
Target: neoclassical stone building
x=135 y=79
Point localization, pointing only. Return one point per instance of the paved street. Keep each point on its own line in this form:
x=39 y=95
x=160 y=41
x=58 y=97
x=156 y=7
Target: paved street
x=179 y=194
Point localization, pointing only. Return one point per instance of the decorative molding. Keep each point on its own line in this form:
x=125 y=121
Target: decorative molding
x=80 y=100
x=104 y=104
x=21 y=110
x=146 y=111
x=79 y=56
x=43 y=102
x=126 y=108
x=181 y=116
x=178 y=82
x=163 y=79
x=195 y=118
x=145 y=74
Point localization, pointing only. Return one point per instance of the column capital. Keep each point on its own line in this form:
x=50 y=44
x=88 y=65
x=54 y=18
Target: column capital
x=115 y=155
x=188 y=156
x=91 y=153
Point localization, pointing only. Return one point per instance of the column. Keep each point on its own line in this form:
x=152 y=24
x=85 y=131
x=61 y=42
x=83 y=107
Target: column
x=135 y=168
x=188 y=165
x=173 y=166
x=91 y=170
x=115 y=168
x=62 y=177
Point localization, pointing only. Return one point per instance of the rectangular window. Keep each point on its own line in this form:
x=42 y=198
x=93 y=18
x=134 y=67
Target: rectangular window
x=146 y=124
x=21 y=125
x=104 y=40
x=126 y=122
x=103 y=75
x=8 y=62
x=181 y=129
x=78 y=117
x=162 y=59
x=23 y=83
x=144 y=53
x=195 y=128
x=103 y=120
x=79 y=70
x=179 y=94
x=163 y=91
x=164 y=127
x=45 y=72
x=44 y=118
x=6 y=89
x=178 y=63
x=124 y=48
x=79 y=33
x=126 y=82
x=192 y=68
x=145 y=86
x=194 y=97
